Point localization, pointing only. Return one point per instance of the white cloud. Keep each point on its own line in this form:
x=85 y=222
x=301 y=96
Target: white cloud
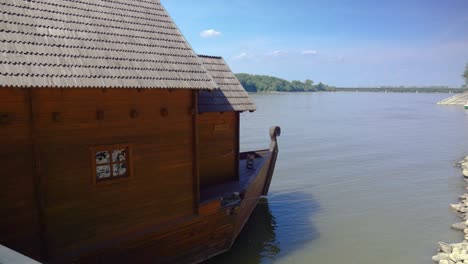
x=243 y=56
x=277 y=53
x=309 y=52
x=210 y=33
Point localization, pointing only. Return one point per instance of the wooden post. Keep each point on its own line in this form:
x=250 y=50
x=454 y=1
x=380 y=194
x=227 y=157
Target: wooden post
x=37 y=175
x=196 y=151
x=237 y=135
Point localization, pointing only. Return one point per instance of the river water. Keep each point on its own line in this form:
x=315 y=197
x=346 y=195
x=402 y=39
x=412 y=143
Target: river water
x=361 y=178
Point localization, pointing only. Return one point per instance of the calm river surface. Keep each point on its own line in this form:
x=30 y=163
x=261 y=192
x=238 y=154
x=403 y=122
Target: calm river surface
x=361 y=178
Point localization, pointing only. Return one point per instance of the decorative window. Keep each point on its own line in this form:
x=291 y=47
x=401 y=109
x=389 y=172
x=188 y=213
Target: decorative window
x=111 y=162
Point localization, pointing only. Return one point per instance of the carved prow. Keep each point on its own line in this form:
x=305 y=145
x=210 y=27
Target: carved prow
x=275 y=132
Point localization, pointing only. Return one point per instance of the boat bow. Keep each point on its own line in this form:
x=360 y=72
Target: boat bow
x=275 y=132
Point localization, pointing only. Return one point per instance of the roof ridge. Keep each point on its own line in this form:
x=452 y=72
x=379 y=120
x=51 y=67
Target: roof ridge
x=209 y=56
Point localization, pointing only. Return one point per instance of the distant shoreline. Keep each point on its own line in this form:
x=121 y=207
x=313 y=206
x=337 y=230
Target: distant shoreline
x=375 y=90
x=357 y=91
x=404 y=90
x=267 y=84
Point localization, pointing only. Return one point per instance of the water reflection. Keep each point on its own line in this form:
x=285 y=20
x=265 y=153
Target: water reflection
x=277 y=227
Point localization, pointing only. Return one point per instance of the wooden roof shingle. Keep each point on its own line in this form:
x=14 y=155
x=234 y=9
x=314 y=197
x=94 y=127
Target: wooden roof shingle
x=231 y=95
x=96 y=44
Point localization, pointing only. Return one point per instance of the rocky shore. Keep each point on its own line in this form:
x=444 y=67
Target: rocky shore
x=457 y=253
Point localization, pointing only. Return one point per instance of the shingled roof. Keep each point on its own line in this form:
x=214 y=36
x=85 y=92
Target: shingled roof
x=231 y=95
x=96 y=44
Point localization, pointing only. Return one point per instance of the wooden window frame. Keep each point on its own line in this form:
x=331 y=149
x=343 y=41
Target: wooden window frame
x=111 y=149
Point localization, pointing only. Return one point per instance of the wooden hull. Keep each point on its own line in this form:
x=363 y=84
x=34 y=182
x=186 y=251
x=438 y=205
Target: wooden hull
x=197 y=238
x=194 y=239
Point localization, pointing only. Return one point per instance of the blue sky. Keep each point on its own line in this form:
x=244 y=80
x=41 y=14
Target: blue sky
x=339 y=42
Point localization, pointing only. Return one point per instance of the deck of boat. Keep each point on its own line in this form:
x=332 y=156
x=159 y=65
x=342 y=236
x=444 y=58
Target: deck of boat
x=246 y=176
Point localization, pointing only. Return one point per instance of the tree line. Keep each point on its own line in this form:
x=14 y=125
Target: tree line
x=465 y=75
x=265 y=83
x=432 y=89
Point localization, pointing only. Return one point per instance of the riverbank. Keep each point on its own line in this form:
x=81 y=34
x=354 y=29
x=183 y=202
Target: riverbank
x=455 y=91
x=457 y=252
x=402 y=89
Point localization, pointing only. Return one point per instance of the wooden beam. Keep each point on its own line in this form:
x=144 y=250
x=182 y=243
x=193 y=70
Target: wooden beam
x=196 y=151
x=237 y=139
x=37 y=175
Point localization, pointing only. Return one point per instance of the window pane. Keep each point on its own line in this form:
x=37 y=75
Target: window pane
x=120 y=170
x=119 y=155
x=103 y=172
x=102 y=157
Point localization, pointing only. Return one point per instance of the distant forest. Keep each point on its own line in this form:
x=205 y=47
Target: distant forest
x=432 y=89
x=465 y=75
x=264 y=83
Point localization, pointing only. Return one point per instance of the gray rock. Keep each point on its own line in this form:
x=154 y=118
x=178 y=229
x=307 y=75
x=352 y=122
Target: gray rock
x=459 y=208
x=463 y=196
x=464 y=165
x=440 y=256
x=459 y=226
x=457 y=253
x=455 y=257
x=460 y=246
x=445 y=248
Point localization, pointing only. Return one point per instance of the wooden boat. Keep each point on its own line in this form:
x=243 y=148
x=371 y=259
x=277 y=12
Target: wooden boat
x=223 y=212
x=119 y=143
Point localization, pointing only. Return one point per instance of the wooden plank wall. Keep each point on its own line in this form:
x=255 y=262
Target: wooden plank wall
x=190 y=242
x=79 y=213
x=19 y=227
x=219 y=147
